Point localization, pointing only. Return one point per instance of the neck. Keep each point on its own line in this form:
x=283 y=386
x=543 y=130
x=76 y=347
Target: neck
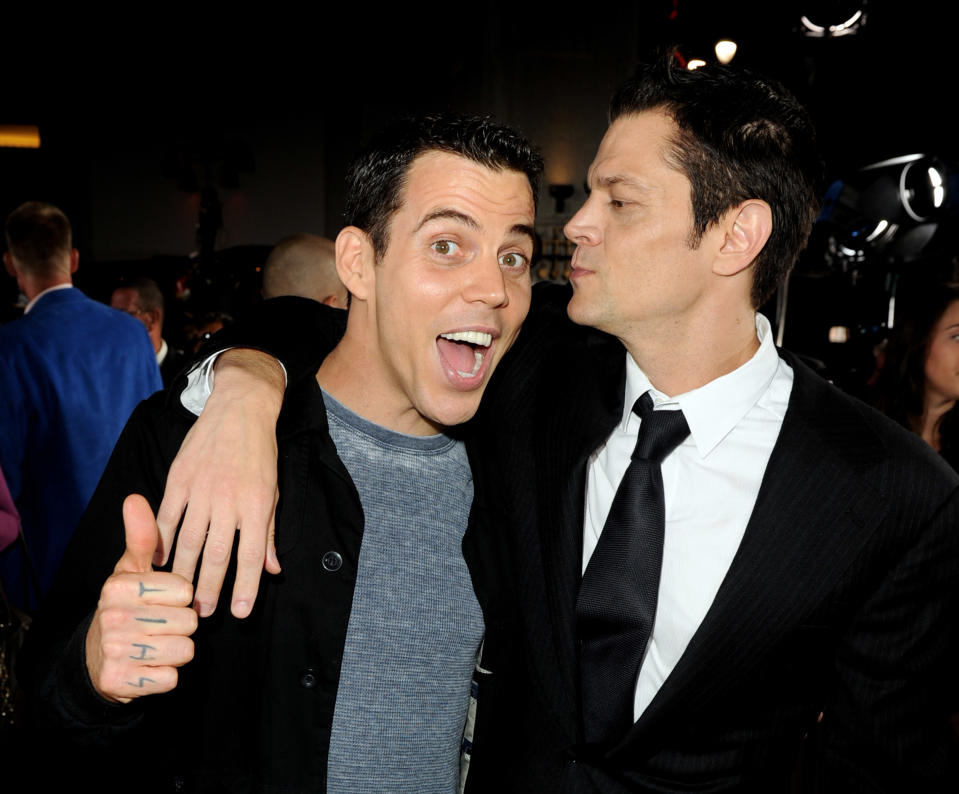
x=931 y=421
x=678 y=356
x=33 y=286
x=342 y=376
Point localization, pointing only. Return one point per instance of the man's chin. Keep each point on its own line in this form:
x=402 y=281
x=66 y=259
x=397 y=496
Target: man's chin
x=579 y=311
x=456 y=411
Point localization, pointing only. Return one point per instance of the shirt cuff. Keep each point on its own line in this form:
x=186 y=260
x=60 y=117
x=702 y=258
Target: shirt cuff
x=199 y=383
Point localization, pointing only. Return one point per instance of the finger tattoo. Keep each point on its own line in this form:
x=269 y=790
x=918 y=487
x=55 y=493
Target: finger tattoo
x=151 y=620
x=139 y=684
x=145 y=589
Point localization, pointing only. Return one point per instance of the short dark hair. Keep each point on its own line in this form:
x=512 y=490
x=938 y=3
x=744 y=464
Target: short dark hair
x=39 y=235
x=740 y=136
x=377 y=177
x=148 y=293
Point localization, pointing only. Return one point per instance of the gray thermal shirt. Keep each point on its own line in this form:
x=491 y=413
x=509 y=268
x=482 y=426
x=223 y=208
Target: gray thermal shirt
x=415 y=625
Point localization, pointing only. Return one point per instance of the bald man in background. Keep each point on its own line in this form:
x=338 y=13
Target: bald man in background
x=304 y=265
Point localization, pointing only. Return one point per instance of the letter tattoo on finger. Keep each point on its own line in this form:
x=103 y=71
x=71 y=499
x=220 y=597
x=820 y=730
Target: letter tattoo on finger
x=145 y=589
x=139 y=685
x=143 y=652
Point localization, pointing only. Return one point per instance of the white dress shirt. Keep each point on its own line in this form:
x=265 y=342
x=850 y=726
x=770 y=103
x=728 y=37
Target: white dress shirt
x=162 y=352
x=710 y=484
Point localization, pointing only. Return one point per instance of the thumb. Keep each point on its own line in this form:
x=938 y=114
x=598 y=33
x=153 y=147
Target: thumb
x=141 y=533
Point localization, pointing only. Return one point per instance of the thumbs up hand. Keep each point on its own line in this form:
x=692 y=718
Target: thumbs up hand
x=140 y=633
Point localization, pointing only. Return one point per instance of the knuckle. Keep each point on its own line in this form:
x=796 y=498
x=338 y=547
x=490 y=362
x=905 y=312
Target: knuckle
x=113 y=589
x=111 y=619
x=112 y=680
x=191 y=538
x=113 y=650
x=251 y=555
x=217 y=551
x=167 y=514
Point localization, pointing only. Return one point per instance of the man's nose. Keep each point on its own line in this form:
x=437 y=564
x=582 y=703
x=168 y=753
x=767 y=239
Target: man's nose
x=487 y=283
x=582 y=228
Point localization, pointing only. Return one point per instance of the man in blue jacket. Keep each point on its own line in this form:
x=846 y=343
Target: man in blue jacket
x=71 y=372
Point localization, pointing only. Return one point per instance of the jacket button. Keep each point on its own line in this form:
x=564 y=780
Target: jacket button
x=308 y=678
x=332 y=561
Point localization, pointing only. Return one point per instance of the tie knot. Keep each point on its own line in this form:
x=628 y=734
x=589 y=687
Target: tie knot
x=660 y=432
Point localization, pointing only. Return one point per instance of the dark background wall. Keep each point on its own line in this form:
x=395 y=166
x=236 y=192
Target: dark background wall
x=122 y=104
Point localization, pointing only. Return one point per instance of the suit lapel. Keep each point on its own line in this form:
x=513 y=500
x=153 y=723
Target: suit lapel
x=813 y=513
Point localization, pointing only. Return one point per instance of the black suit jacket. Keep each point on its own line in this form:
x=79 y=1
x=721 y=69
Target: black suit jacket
x=827 y=637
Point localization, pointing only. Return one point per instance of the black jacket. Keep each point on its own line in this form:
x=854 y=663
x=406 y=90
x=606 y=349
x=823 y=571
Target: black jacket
x=253 y=711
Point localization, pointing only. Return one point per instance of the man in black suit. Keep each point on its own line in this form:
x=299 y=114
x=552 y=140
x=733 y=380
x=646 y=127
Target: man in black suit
x=806 y=569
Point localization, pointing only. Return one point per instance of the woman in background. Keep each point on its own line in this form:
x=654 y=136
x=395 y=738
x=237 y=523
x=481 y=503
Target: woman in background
x=919 y=382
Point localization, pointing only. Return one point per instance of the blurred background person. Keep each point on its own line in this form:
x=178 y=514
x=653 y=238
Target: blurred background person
x=141 y=298
x=200 y=331
x=304 y=265
x=71 y=372
x=919 y=382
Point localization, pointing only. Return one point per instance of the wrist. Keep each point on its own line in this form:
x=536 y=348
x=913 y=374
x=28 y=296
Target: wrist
x=249 y=374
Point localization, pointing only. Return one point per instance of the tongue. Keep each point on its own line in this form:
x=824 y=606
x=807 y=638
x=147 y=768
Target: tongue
x=458 y=355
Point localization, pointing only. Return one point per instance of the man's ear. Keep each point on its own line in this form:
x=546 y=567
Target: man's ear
x=154 y=318
x=354 y=261
x=747 y=228
x=8 y=264
x=74 y=260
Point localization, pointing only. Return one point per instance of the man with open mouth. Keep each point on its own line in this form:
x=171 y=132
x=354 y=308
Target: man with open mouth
x=353 y=672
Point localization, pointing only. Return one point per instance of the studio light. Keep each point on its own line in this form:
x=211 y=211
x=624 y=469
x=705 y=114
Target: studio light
x=725 y=50
x=831 y=19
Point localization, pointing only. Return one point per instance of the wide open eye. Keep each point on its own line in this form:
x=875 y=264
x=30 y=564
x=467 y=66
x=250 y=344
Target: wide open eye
x=513 y=259
x=446 y=247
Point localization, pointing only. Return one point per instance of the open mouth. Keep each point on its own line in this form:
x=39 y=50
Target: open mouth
x=465 y=351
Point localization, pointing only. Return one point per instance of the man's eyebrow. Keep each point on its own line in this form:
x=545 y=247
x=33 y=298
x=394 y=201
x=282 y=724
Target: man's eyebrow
x=524 y=229
x=450 y=214
x=621 y=179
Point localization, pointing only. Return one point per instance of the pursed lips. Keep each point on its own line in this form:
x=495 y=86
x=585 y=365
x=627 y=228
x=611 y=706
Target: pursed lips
x=576 y=269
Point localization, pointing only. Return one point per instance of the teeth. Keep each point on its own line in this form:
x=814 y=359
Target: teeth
x=477 y=361
x=473 y=337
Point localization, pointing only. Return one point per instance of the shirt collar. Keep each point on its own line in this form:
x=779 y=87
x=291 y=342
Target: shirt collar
x=161 y=353
x=714 y=409
x=55 y=287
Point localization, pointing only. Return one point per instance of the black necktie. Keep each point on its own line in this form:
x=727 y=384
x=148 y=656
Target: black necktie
x=617 y=598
